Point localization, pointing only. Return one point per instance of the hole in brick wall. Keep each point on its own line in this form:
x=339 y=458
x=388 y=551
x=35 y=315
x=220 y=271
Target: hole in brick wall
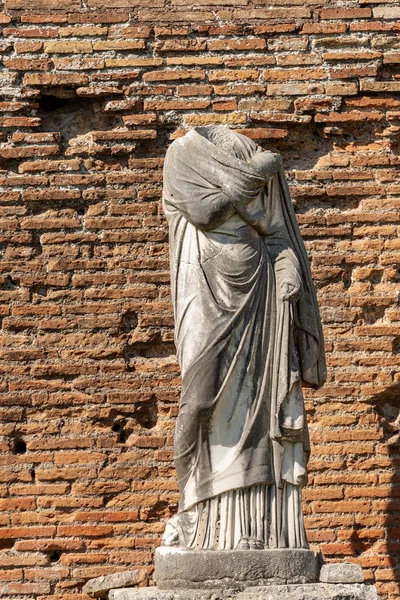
x=54 y=556
x=49 y=103
x=61 y=110
x=40 y=290
x=328 y=278
x=9 y=283
x=305 y=145
x=70 y=377
x=302 y=148
x=19 y=446
x=119 y=428
x=371 y=314
x=387 y=406
x=376 y=276
x=129 y=352
x=347 y=279
x=37 y=208
x=154 y=348
x=33 y=474
x=146 y=414
x=396 y=345
x=129 y=321
x=156 y=147
x=358 y=545
x=6 y=544
x=36 y=237
x=160 y=510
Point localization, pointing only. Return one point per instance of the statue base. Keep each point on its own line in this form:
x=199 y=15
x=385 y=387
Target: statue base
x=309 y=591
x=236 y=575
x=209 y=569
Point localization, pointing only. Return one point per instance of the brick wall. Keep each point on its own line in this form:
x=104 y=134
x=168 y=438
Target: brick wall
x=92 y=92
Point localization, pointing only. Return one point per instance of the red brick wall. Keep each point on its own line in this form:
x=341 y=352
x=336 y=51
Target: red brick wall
x=92 y=93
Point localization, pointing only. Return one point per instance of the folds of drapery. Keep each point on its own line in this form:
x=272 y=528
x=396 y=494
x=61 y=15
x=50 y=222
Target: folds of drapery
x=243 y=351
x=247 y=518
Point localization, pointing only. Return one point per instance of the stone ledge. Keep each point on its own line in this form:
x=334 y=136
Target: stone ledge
x=310 y=591
x=153 y=593
x=209 y=569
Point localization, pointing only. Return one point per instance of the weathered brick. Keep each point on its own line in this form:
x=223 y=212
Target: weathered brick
x=172 y=16
x=294 y=74
x=54 y=79
x=26 y=532
x=277 y=28
x=78 y=63
x=288 y=60
x=255 y=60
x=68 y=47
x=119 y=45
x=174 y=75
x=340 y=42
x=194 y=90
x=28 y=588
x=352 y=72
x=194 y=61
x=247 y=89
x=386 y=12
x=352 y=116
x=294 y=89
x=233 y=75
x=272 y=13
x=325 y=28
x=345 y=13
x=85 y=30
x=279 y=117
x=27 y=64
x=37 y=4
x=237 y=44
x=355 y=55
x=175 y=104
x=379 y=86
x=25 y=47
x=19 y=121
x=341 y=89
x=131 y=31
x=206 y=119
x=98 y=17
x=110 y=4
x=180 y=46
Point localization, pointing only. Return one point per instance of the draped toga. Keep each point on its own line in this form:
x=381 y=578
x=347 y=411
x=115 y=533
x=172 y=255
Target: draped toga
x=241 y=441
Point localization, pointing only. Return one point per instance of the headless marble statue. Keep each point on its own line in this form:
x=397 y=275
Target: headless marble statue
x=248 y=336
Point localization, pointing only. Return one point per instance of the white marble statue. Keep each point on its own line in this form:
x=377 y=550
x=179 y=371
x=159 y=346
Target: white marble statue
x=248 y=335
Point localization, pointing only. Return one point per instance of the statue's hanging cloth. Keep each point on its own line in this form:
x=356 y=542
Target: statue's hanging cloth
x=241 y=434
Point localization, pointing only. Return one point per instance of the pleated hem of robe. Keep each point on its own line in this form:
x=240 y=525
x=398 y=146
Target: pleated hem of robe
x=257 y=517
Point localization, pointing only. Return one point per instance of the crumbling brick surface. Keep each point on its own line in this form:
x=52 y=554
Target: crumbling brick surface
x=92 y=93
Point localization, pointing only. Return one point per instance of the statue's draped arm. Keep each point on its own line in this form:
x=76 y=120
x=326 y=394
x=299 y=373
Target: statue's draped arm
x=207 y=194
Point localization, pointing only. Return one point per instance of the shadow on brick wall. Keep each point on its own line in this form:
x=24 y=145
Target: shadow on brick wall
x=382 y=554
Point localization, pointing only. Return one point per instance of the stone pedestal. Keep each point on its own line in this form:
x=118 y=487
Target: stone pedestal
x=310 y=591
x=210 y=569
x=236 y=575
